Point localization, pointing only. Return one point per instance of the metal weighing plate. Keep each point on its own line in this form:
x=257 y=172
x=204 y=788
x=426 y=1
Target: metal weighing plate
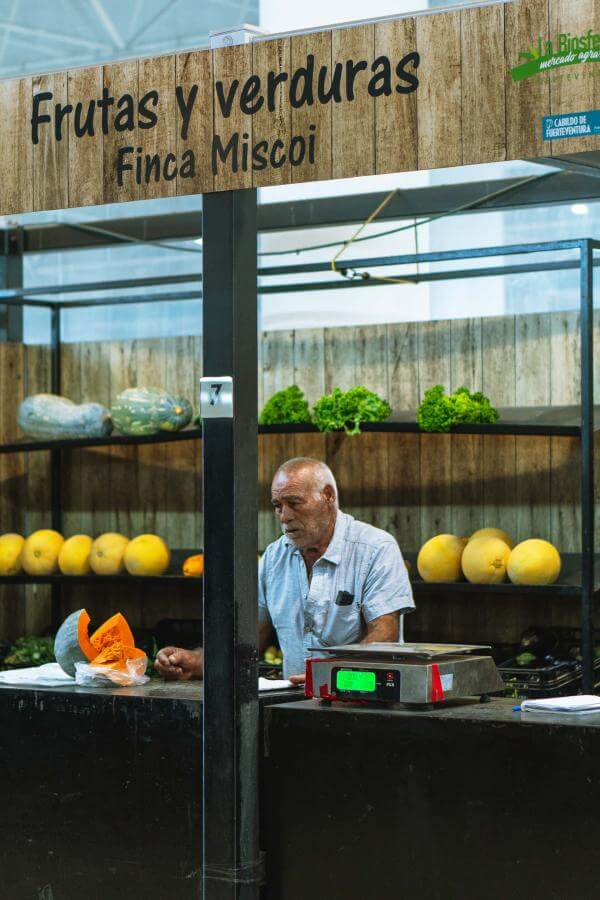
x=398 y=651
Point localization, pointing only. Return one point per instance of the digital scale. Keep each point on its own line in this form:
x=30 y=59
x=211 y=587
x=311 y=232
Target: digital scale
x=398 y=674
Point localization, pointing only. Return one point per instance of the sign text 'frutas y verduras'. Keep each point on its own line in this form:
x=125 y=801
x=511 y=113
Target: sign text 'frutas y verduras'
x=305 y=86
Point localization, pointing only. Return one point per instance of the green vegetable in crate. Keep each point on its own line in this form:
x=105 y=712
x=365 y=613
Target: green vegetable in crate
x=30 y=651
x=347 y=409
x=439 y=412
x=148 y=410
x=50 y=417
x=286 y=406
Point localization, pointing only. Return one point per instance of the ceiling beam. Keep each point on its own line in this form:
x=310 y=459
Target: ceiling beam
x=108 y=24
x=566 y=187
x=57 y=36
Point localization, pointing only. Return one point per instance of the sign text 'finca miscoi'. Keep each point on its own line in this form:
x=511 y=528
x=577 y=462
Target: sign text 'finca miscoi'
x=306 y=86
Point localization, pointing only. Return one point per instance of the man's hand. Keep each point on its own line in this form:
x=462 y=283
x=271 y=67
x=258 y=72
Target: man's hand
x=176 y=664
x=297 y=679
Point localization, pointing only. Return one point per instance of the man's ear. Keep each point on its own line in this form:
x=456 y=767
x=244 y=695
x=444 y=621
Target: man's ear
x=328 y=493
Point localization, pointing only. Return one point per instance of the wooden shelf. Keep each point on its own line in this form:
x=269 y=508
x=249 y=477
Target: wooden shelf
x=555 y=421
x=569 y=584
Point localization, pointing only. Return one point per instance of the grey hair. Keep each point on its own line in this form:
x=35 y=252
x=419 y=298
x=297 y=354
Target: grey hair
x=323 y=474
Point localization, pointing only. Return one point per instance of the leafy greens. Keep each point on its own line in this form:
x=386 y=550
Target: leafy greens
x=347 y=409
x=286 y=406
x=439 y=412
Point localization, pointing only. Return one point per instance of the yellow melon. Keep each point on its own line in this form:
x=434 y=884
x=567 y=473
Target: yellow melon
x=147 y=554
x=485 y=559
x=495 y=533
x=534 y=562
x=11 y=547
x=106 y=555
x=439 y=558
x=74 y=556
x=40 y=552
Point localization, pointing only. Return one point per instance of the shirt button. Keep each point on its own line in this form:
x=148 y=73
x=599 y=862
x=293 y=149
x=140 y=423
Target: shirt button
x=307 y=629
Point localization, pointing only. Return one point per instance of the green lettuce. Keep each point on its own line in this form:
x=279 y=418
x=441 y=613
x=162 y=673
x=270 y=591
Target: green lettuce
x=288 y=406
x=440 y=412
x=347 y=409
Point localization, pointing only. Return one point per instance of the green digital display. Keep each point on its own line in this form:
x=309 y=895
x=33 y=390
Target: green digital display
x=348 y=680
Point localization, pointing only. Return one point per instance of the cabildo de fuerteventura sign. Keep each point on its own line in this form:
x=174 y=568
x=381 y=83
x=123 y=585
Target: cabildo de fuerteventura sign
x=422 y=91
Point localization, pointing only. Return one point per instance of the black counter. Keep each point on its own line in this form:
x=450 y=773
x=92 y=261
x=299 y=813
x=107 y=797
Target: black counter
x=470 y=801
x=101 y=792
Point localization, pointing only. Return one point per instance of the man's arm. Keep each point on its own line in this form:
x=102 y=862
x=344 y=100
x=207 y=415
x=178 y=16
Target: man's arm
x=176 y=664
x=387 y=594
x=384 y=628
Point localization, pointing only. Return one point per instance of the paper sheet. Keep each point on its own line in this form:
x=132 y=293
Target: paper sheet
x=575 y=705
x=266 y=684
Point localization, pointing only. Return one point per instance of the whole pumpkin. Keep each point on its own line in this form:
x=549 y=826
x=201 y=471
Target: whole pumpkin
x=141 y=411
x=193 y=566
x=49 y=417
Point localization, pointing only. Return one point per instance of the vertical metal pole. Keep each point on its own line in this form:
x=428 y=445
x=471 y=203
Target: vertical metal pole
x=587 y=465
x=11 y=276
x=55 y=455
x=230 y=469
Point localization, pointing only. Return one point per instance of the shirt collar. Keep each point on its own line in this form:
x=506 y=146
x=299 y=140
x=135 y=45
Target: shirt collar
x=333 y=553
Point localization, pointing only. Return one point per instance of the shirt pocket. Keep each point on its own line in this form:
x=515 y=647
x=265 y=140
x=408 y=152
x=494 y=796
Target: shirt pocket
x=342 y=624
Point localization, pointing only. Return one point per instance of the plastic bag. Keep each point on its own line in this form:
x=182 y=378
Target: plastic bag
x=87 y=675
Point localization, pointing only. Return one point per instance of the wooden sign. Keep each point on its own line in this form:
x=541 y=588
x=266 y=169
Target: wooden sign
x=443 y=89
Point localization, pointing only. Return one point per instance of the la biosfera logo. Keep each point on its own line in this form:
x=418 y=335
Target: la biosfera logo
x=565 y=50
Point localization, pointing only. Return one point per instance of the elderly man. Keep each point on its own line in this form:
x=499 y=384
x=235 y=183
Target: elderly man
x=329 y=579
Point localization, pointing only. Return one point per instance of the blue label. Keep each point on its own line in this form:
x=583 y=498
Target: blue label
x=571 y=125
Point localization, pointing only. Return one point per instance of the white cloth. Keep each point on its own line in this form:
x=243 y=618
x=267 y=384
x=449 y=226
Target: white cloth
x=48 y=675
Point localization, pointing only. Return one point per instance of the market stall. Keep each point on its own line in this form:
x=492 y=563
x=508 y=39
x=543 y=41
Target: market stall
x=421 y=92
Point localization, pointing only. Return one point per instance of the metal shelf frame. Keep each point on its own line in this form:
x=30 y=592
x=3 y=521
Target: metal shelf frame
x=14 y=295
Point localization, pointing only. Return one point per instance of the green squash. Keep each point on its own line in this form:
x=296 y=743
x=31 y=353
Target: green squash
x=141 y=411
x=49 y=417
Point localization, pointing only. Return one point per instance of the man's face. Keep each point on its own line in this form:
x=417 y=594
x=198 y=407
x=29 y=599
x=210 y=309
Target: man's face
x=304 y=512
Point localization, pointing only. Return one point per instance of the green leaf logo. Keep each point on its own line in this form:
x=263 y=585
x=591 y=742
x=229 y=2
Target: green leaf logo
x=530 y=55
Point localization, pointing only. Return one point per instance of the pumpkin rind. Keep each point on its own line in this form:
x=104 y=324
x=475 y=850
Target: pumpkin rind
x=71 y=644
x=49 y=416
x=148 y=410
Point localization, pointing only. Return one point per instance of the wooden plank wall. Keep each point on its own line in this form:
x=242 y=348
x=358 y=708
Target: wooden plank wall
x=419 y=485
x=466 y=109
x=412 y=485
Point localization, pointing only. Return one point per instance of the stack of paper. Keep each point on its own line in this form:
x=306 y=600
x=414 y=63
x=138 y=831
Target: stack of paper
x=267 y=684
x=584 y=703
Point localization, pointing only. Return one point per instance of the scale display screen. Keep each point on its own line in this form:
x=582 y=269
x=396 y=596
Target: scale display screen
x=354 y=680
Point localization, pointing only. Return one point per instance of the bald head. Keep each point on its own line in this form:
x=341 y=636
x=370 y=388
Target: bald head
x=305 y=500
x=313 y=472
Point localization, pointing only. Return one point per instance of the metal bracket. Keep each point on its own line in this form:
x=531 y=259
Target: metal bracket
x=216 y=397
x=230 y=37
